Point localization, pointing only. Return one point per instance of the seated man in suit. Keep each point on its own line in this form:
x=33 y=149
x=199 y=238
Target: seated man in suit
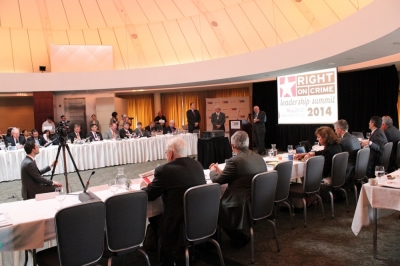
x=393 y=135
x=152 y=127
x=112 y=132
x=39 y=140
x=15 y=139
x=93 y=134
x=125 y=132
x=76 y=134
x=376 y=144
x=171 y=128
x=171 y=180
x=140 y=132
x=32 y=181
x=349 y=143
x=238 y=174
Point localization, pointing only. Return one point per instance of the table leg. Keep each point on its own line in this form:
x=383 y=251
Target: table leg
x=375 y=238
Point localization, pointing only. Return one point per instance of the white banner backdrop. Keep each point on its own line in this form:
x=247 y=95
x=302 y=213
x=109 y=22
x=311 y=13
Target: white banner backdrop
x=234 y=108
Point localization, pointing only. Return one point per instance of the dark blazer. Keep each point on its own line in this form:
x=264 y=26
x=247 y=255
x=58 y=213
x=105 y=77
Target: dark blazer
x=123 y=134
x=193 y=118
x=90 y=134
x=169 y=129
x=238 y=174
x=378 y=139
x=262 y=117
x=218 y=121
x=392 y=135
x=32 y=181
x=72 y=136
x=158 y=118
x=171 y=180
x=9 y=141
x=351 y=144
x=41 y=140
x=328 y=152
x=142 y=133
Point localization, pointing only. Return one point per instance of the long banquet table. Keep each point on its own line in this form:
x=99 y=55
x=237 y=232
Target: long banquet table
x=95 y=155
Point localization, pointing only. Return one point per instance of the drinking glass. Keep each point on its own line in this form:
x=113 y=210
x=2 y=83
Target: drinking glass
x=379 y=171
x=290 y=149
x=368 y=134
x=61 y=195
x=113 y=186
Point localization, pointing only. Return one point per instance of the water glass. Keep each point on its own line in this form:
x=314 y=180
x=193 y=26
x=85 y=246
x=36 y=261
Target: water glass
x=368 y=135
x=379 y=171
x=61 y=195
x=113 y=186
x=290 y=149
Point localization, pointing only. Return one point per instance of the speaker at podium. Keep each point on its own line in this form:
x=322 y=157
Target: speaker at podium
x=243 y=125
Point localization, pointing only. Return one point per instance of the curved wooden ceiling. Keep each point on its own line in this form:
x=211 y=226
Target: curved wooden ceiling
x=148 y=33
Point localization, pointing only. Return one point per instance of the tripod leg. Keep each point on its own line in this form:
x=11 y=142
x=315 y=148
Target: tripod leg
x=76 y=168
x=54 y=168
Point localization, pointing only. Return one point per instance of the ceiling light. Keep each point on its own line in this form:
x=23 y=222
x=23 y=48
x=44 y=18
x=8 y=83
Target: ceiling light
x=331 y=64
x=134 y=36
x=396 y=43
x=350 y=58
x=298 y=1
x=266 y=75
x=214 y=23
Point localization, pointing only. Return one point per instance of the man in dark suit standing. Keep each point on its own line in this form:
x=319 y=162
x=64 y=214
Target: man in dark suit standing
x=93 y=134
x=76 y=134
x=193 y=118
x=15 y=139
x=218 y=119
x=238 y=174
x=32 y=181
x=259 y=129
x=393 y=135
x=349 y=143
x=376 y=144
x=39 y=140
x=171 y=180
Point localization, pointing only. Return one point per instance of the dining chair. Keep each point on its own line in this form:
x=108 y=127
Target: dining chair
x=360 y=169
x=386 y=155
x=284 y=170
x=261 y=203
x=125 y=224
x=201 y=208
x=338 y=177
x=311 y=184
x=398 y=155
x=80 y=236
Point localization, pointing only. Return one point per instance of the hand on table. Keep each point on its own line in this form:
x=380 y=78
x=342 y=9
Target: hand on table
x=214 y=167
x=364 y=143
x=55 y=183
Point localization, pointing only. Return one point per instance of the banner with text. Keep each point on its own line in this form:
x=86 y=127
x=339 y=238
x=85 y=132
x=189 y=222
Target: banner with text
x=308 y=98
x=234 y=108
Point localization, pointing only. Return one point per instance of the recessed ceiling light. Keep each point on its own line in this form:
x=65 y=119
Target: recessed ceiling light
x=331 y=64
x=396 y=43
x=214 y=23
x=298 y=1
x=134 y=36
x=266 y=75
x=350 y=58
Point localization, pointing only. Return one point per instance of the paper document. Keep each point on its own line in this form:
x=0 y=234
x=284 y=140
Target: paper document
x=147 y=177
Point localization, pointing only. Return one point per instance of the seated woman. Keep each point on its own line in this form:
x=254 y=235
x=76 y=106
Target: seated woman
x=326 y=137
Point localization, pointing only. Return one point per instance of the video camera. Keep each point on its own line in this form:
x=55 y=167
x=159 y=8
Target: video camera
x=62 y=131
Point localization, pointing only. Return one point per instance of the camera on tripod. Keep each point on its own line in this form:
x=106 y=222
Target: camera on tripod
x=62 y=131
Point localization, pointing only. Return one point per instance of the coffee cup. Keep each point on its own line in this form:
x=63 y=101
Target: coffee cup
x=373 y=181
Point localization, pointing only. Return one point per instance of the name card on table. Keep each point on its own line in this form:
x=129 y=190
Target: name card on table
x=46 y=196
x=98 y=188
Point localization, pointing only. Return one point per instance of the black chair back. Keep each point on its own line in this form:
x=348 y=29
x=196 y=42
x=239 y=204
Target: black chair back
x=80 y=233
x=313 y=175
x=398 y=154
x=361 y=164
x=386 y=155
x=201 y=207
x=306 y=145
x=339 y=166
x=126 y=220
x=284 y=170
x=263 y=187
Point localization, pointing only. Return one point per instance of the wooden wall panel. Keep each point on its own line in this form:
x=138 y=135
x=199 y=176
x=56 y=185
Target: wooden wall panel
x=16 y=112
x=43 y=107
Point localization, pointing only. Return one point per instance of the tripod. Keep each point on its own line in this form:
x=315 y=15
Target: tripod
x=63 y=145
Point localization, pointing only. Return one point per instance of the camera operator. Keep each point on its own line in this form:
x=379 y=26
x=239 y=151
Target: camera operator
x=63 y=123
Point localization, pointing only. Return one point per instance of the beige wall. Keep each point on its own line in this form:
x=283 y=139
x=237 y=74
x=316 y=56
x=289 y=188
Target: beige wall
x=16 y=111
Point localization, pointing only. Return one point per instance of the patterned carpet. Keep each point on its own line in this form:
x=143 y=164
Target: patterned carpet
x=329 y=242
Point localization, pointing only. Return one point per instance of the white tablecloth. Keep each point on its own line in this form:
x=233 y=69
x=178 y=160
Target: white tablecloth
x=94 y=155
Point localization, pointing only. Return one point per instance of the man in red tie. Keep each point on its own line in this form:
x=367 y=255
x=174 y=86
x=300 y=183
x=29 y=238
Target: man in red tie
x=193 y=118
x=93 y=134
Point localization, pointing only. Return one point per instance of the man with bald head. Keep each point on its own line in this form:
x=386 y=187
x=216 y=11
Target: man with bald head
x=259 y=119
x=393 y=135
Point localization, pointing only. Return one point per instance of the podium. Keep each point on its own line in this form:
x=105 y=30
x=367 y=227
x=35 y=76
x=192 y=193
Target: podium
x=243 y=125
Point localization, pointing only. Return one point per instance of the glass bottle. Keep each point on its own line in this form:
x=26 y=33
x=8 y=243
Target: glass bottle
x=274 y=150
x=120 y=179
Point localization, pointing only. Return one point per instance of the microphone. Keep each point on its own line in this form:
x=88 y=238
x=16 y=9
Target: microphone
x=88 y=138
x=88 y=182
x=49 y=143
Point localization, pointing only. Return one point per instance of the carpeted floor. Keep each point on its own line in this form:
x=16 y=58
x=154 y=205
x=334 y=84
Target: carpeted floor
x=329 y=242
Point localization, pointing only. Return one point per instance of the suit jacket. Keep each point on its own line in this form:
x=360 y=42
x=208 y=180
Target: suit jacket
x=108 y=134
x=171 y=180
x=193 y=118
x=392 y=135
x=32 y=181
x=90 y=134
x=169 y=129
x=141 y=133
x=262 y=117
x=328 y=152
x=351 y=144
x=238 y=174
x=9 y=141
x=123 y=134
x=378 y=139
x=72 y=136
x=41 y=140
x=218 y=121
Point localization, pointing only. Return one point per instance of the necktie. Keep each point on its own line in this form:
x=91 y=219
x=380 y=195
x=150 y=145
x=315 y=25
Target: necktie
x=113 y=134
x=193 y=112
x=37 y=141
x=77 y=136
x=95 y=135
x=16 y=141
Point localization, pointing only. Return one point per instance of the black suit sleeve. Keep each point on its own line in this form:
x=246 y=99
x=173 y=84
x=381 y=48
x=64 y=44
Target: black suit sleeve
x=157 y=187
x=36 y=174
x=228 y=174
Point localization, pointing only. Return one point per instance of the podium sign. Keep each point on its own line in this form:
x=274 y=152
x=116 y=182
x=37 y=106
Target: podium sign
x=243 y=125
